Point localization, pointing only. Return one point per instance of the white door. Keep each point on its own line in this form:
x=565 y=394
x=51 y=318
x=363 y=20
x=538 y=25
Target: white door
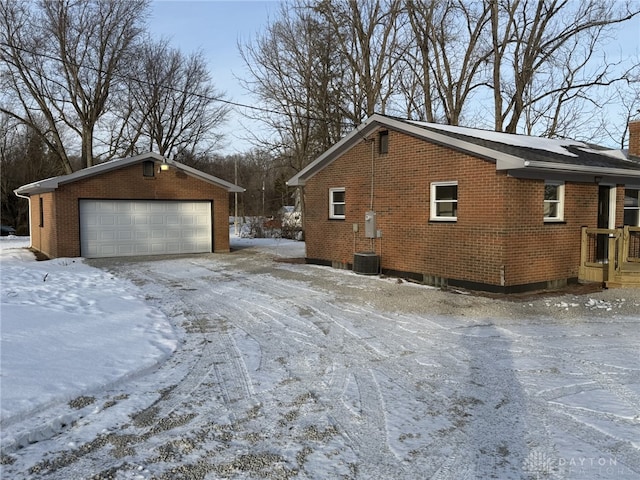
x=120 y=228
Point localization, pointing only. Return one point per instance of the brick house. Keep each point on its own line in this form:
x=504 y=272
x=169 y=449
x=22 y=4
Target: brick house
x=471 y=208
x=141 y=205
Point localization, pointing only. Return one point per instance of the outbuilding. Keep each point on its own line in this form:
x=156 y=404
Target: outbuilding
x=142 y=205
x=471 y=208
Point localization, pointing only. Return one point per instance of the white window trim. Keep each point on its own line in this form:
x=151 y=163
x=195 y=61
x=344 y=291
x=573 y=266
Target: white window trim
x=433 y=210
x=632 y=187
x=332 y=215
x=560 y=202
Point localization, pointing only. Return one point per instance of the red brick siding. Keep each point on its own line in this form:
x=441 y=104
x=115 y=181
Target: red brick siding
x=634 y=138
x=43 y=238
x=129 y=184
x=499 y=231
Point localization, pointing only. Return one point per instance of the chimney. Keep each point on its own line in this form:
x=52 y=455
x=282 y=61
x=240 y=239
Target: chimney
x=634 y=138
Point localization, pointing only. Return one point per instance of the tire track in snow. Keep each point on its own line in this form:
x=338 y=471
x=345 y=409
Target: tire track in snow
x=368 y=432
x=330 y=361
x=575 y=420
x=217 y=364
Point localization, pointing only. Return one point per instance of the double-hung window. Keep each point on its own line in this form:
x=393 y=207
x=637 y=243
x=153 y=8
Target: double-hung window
x=632 y=207
x=553 y=201
x=444 y=201
x=337 y=203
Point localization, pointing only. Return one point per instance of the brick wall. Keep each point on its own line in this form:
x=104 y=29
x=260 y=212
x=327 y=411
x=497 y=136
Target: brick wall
x=499 y=238
x=126 y=183
x=43 y=238
x=634 y=138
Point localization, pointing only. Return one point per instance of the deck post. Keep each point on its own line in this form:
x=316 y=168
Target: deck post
x=583 y=247
x=611 y=265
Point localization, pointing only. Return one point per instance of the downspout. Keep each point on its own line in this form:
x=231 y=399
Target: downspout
x=373 y=143
x=28 y=198
x=373 y=165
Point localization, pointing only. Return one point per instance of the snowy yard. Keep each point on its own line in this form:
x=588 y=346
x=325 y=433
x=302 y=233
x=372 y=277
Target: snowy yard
x=247 y=365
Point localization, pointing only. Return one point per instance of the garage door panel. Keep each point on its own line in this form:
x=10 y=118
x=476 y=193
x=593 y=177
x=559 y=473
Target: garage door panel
x=106 y=235
x=124 y=228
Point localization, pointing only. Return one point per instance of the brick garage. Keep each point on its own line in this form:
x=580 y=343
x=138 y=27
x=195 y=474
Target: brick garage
x=139 y=205
x=499 y=240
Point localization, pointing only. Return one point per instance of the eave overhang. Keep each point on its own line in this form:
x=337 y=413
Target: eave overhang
x=51 y=184
x=512 y=164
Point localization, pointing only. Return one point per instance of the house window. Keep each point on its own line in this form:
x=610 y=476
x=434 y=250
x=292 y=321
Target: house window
x=337 y=203
x=553 y=201
x=444 y=201
x=41 y=205
x=632 y=207
x=383 y=142
x=148 y=168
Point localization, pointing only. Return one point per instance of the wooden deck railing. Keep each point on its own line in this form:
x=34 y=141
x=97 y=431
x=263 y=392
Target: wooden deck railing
x=611 y=256
x=631 y=243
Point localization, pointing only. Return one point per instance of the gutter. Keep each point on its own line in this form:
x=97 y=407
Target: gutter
x=533 y=164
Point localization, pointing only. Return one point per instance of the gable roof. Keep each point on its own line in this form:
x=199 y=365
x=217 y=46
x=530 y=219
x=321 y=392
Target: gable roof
x=51 y=184
x=518 y=155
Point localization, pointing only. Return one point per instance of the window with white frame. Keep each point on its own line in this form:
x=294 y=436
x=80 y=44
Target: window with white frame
x=632 y=207
x=444 y=201
x=337 y=203
x=553 y=201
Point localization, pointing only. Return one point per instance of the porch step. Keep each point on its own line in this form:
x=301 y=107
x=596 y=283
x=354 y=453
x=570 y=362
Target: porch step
x=625 y=278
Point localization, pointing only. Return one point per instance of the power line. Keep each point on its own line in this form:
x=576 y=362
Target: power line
x=166 y=87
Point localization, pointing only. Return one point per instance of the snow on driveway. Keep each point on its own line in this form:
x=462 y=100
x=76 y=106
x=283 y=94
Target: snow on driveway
x=285 y=370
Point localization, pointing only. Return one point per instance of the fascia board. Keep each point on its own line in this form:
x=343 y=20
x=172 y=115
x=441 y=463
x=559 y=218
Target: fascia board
x=34 y=188
x=504 y=161
x=230 y=187
x=532 y=164
x=51 y=184
x=108 y=166
x=347 y=142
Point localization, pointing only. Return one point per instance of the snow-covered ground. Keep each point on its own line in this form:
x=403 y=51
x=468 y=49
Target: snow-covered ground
x=285 y=370
x=69 y=329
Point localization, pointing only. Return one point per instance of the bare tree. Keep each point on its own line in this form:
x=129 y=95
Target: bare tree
x=24 y=158
x=28 y=93
x=368 y=40
x=449 y=55
x=627 y=98
x=176 y=107
x=542 y=52
x=296 y=72
x=62 y=59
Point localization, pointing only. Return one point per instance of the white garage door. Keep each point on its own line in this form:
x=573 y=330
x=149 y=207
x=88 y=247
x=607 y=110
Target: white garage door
x=119 y=228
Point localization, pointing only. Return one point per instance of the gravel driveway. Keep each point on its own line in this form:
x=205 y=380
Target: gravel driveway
x=288 y=370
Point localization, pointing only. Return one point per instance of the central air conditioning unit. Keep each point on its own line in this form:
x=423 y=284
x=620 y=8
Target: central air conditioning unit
x=366 y=263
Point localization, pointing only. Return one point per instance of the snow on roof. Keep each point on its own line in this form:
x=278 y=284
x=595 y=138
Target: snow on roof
x=554 y=145
x=619 y=154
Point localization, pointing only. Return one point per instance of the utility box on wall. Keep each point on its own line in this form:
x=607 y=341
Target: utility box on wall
x=370 y=224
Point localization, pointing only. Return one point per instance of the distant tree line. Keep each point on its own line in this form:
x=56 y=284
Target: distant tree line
x=25 y=158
